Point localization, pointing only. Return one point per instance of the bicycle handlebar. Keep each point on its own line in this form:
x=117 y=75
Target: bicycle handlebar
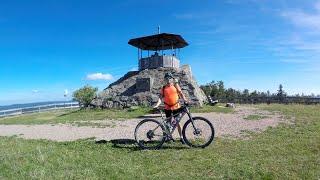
x=161 y=109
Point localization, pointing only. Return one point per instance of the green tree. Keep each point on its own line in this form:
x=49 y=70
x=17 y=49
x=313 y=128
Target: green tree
x=230 y=94
x=85 y=95
x=245 y=93
x=221 y=91
x=281 y=94
x=254 y=94
x=268 y=93
x=214 y=91
x=207 y=88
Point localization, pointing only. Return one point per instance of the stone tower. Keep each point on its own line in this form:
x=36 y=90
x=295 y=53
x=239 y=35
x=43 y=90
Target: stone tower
x=142 y=87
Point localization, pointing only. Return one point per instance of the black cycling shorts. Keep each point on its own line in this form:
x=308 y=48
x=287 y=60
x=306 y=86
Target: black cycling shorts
x=171 y=112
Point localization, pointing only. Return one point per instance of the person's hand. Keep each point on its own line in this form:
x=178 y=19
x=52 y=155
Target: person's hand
x=158 y=104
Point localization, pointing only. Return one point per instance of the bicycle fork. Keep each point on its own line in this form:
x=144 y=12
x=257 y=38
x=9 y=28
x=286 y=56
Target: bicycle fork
x=191 y=118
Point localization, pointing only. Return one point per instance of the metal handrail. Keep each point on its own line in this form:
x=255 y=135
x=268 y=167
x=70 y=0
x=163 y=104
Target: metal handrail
x=39 y=108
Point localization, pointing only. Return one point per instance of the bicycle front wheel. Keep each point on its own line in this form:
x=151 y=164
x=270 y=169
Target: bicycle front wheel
x=200 y=133
x=149 y=134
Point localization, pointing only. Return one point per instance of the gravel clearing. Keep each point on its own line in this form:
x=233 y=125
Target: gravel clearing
x=226 y=125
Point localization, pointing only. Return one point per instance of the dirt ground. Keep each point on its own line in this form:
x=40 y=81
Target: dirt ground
x=231 y=125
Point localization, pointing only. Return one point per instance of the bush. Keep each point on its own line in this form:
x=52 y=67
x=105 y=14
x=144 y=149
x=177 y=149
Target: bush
x=85 y=95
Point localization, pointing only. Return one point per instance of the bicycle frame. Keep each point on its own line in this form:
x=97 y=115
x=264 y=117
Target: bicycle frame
x=184 y=110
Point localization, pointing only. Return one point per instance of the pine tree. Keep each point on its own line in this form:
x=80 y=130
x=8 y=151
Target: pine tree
x=281 y=94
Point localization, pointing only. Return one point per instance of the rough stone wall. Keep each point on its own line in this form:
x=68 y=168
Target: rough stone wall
x=132 y=89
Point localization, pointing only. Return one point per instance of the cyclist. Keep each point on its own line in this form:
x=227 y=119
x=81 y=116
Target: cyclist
x=170 y=94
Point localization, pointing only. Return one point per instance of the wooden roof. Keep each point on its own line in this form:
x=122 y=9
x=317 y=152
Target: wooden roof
x=161 y=41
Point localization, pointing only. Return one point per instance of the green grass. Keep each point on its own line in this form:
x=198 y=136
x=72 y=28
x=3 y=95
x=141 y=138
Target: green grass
x=255 y=117
x=207 y=108
x=286 y=152
x=75 y=116
x=85 y=117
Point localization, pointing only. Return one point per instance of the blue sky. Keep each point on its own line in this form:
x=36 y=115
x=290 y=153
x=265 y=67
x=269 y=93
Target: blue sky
x=52 y=46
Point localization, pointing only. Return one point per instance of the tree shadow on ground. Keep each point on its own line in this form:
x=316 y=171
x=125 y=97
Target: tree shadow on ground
x=132 y=145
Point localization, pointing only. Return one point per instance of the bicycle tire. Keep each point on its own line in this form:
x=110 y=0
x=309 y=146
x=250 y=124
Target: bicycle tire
x=188 y=141
x=140 y=143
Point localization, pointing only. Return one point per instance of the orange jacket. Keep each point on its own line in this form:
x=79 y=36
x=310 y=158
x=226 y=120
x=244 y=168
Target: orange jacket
x=170 y=94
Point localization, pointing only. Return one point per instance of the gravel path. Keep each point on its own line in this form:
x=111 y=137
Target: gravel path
x=226 y=125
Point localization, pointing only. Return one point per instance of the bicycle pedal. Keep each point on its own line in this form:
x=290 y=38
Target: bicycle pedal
x=168 y=139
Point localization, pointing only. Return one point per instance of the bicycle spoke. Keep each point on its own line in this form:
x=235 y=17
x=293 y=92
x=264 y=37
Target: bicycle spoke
x=156 y=128
x=149 y=135
x=200 y=134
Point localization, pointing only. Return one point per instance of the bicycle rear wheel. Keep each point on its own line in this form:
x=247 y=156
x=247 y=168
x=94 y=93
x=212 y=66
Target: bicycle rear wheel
x=199 y=135
x=149 y=134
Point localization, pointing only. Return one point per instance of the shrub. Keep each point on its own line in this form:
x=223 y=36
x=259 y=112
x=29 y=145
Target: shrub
x=85 y=95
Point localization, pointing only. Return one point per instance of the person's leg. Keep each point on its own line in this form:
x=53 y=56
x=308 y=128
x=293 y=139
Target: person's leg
x=179 y=130
x=168 y=114
x=180 y=134
x=179 y=126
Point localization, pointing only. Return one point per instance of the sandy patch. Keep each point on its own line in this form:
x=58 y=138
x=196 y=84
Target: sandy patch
x=226 y=125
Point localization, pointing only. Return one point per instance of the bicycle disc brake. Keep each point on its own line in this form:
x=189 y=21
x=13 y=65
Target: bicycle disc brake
x=150 y=134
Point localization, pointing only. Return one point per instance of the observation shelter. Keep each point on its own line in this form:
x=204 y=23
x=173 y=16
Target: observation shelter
x=156 y=46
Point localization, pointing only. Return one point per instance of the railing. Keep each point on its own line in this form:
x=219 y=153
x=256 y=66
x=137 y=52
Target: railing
x=284 y=100
x=33 y=109
x=158 y=61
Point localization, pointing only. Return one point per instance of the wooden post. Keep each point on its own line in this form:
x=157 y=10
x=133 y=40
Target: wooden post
x=141 y=53
x=172 y=55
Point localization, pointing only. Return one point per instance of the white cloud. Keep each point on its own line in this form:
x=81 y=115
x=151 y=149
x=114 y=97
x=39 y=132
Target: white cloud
x=193 y=15
x=317 y=5
x=35 y=91
x=302 y=45
x=294 y=61
x=134 y=69
x=314 y=69
x=304 y=19
x=99 y=76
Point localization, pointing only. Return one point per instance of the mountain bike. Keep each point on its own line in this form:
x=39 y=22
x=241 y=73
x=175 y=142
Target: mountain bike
x=197 y=131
